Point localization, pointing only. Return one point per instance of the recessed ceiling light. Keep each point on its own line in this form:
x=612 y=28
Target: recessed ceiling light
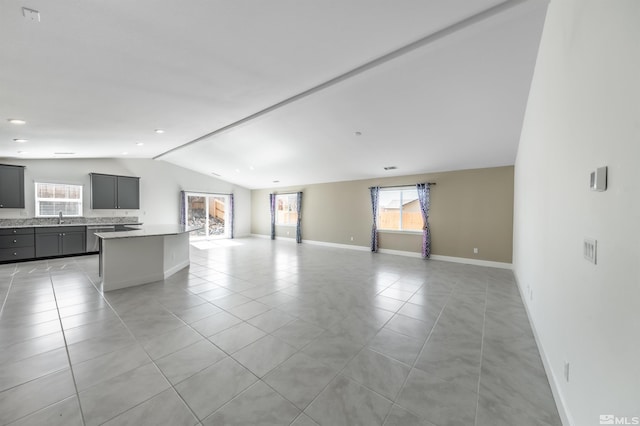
x=251 y=168
x=64 y=153
x=140 y=143
x=16 y=121
x=390 y=168
x=237 y=170
x=125 y=153
x=22 y=152
x=21 y=140
x=358 y=133
x=159 y=131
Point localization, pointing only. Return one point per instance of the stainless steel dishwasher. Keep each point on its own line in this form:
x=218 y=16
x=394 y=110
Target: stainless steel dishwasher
x=93 y=241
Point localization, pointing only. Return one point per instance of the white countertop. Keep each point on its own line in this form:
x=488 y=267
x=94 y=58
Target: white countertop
x=149 y=231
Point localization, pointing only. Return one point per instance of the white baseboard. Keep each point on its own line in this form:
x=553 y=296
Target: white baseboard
x=268 y=237
x=176 y=268
x=400 y=253
x=479 y=262
x=553 y=379
x=465 y=260
x=336 y=245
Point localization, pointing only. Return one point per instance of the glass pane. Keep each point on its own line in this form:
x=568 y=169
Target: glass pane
x=287 y=209
x=389 y=209
x=216 y=215
x=53 y=208
x=196 y=214
x=53 y=198
x=411 y=214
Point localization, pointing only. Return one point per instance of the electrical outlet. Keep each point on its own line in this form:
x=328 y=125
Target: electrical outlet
x=475 y=250
x=566 y=371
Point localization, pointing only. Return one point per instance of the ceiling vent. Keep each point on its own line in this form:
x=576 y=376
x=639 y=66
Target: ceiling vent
x=31 y=14
x=390 y=168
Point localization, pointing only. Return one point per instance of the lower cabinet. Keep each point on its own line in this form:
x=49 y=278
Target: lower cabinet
x=56 y=241
x=16 y=244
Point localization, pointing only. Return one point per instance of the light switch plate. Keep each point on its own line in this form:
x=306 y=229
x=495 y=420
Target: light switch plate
x=598 y=180
x=590 y=250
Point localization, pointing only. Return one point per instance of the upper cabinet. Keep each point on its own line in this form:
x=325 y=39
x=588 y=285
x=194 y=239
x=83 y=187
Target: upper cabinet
x=11 y=187
x=114 y=192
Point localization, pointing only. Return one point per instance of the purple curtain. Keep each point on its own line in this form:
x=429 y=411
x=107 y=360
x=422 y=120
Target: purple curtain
x=423 y=198
x=375 y=192
x=298 y=225
x=272 y=207
x=231 y=215
x=183 y=207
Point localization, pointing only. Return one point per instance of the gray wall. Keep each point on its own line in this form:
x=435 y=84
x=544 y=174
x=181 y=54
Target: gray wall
x=469 y=208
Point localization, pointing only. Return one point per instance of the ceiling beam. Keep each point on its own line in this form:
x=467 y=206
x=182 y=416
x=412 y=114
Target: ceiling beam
x=427 y=40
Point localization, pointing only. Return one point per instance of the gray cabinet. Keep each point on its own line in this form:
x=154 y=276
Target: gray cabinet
x=114 y=192
x=56 y=241
x=11 y=187
x=16 y=244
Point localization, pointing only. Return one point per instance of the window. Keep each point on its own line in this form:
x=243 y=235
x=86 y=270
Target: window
x=287 y=209
x=53 y=198
x=399 y=209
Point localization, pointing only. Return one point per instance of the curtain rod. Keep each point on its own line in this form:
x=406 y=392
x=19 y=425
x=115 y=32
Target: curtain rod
x=400 y=186
x=285 y=193
x=206 y=193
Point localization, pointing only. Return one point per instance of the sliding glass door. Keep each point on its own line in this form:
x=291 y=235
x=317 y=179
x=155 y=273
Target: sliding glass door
x=209 y=211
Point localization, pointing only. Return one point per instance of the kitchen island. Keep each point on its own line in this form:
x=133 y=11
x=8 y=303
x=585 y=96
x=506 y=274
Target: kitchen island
x=141 y=256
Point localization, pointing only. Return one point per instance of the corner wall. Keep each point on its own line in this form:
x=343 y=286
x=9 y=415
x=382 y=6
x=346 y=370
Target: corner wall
x=160 y=186
x=584 y=112
x=469 y=208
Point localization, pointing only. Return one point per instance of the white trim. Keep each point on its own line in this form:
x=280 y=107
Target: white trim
x=399 y=231
x=336 y=245
x=176 y=268
x=479 y=262
x=551 y=378
x=268 y=237
x=400 y=252
x=465 y=260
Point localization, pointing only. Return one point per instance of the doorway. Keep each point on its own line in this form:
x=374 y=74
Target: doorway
x=210 y=211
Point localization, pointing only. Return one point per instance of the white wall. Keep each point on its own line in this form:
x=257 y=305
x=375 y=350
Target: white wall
x=584 y=112
x=160 y=186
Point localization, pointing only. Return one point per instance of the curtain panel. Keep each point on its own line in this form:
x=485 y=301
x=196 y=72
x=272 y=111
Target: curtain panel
x=231 y=215
x=375 y=193
x=183 y=207
x=423 y=198
x=299 y=222
x=272 y=207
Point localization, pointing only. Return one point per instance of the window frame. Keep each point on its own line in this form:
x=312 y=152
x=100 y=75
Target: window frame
x=288 y=195
x=39 y=199
x=227 y=215
x=400 y=188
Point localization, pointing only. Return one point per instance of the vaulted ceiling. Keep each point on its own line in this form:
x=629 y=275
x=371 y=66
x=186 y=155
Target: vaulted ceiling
x=290 y=91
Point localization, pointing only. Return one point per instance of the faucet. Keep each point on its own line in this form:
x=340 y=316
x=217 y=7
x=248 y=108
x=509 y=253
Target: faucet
x=60 y=221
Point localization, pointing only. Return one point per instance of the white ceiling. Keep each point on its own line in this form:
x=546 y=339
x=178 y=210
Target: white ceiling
x=271 y=90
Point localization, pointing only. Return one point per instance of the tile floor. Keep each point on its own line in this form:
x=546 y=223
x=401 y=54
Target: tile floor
x=270 y=333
